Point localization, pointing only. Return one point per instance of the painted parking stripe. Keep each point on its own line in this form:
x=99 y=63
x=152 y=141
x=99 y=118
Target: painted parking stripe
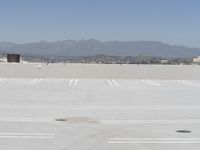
x=184 y=121
x=153 y=140
x=30 y=82
x=188 y=83
x=108 y=122
x=112 y=82
x=115 y=82
x=39 y=120
x=76 y=82
x=73 y=82
x=34 y=81
x=109 y=82
x=54 y=107
x=150 y=82
x=3 y=79
x=27 y=135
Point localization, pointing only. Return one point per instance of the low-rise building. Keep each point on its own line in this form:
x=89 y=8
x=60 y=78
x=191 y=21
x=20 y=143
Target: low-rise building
x=196 y=60
x=13 y=58
x=164 y=61
x=3 y=59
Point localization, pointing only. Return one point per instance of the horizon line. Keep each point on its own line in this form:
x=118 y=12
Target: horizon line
x=78 y=40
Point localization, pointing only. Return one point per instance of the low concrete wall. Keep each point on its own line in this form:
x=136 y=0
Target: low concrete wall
x=99 y=71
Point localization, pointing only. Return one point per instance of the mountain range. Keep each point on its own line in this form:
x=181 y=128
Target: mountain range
x=92 y=47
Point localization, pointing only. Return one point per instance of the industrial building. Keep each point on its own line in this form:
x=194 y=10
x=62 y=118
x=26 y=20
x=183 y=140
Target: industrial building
x=13 y=58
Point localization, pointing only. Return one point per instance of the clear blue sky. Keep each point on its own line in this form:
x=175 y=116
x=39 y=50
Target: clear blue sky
x=170 y=21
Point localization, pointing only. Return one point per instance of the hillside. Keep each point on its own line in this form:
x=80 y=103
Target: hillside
x=93 y=47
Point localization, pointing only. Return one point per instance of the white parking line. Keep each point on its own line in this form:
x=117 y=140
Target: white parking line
x=185 y=121
x=3 y=79
x=27 y=135
x=188 y=83
x=109 y=82
x=54 y=107
x=112 y=82
x=111 y=122
x=150 y=82
x=30 y=82
x=115 y=82
x=17 y=133
x=153 y=140
x=73 y=82
x=12 y=119
x=76 y=82
x=147 y=82
x=34 y=81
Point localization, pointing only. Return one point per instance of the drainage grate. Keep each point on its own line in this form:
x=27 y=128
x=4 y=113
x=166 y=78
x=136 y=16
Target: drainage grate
x=77 y=120
x=183 y=131
x=61 y=119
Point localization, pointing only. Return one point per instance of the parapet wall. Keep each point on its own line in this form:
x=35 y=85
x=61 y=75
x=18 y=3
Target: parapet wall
x=99 y=71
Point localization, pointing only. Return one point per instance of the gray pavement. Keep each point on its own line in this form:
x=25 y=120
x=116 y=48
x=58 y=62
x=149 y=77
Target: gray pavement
x=99 y=114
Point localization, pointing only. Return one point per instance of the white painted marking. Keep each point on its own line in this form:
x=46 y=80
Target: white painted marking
x=145 y=81
x=109 y=82
x=153 y=82
x=115 y=82
x=3 y=79
x=76 y=82
x=36 y=82
x=22 y=134
x=9 y=119
x=150 y=139
x=112 y=82
x=188 y=83
x=30 y=82
x=53 y=107
x=71 y=81
x=27 y=135
x=185 y=121
x=153 y=140
x=51 y=120
x=150 y=82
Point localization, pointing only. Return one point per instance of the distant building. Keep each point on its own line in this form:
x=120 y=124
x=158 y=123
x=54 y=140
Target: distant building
x=196 y=60
x=3 y=59
x=164 y=61
x=13 y=58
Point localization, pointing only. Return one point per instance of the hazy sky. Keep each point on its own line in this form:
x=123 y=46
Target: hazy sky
x=170 y=21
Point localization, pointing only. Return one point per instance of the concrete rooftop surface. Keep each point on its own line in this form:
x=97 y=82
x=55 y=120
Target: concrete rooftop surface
x=99 y=107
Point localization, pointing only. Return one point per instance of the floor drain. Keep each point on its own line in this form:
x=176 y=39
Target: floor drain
x=183 y=131
x=61 y=119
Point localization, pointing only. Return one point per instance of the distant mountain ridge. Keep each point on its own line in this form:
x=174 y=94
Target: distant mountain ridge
x=92 y=47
